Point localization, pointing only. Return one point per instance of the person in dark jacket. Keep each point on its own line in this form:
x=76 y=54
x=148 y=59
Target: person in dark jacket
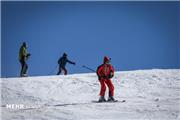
x=23 y=56
x=62 y=63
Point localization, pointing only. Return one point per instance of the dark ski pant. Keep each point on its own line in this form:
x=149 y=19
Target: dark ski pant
x=60 y=69
x=24 y=67
x=107 y=82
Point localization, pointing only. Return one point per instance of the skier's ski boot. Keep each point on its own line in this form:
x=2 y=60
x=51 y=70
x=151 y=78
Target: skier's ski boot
x=111 y=99
x=23 y=75
x=102 y=99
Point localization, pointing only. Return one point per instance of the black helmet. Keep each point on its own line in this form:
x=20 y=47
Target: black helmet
x=24 y=44
x=64 y=55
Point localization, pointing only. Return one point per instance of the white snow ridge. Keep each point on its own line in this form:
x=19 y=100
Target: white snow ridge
x=149 y=94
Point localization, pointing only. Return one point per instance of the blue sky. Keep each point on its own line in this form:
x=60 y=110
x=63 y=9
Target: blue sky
x=136 y=35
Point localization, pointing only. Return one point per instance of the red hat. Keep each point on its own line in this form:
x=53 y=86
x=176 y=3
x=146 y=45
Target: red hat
x=106 y=59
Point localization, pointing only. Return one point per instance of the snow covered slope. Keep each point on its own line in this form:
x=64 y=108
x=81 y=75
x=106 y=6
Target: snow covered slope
x=149 y=94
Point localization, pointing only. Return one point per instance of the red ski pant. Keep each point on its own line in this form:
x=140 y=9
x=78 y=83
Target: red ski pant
x=107 y=82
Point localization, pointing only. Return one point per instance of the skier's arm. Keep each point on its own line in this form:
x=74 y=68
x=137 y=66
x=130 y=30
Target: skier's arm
x=100 y=73
x=111 y=72
x=25 y=53
x=71 y=62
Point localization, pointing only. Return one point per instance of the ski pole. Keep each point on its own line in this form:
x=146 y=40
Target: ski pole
x=88 y=68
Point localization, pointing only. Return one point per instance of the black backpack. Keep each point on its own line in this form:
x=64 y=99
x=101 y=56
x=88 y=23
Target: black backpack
x=97 y=71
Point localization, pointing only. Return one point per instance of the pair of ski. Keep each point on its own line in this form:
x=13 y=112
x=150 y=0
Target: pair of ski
x=71 y=104
x=109 y=101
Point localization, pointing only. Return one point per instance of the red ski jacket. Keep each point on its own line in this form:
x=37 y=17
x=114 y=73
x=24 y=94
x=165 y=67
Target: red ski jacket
x=105 y=71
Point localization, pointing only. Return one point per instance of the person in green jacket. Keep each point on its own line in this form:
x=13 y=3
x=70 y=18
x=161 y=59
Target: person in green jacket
x=23 y=56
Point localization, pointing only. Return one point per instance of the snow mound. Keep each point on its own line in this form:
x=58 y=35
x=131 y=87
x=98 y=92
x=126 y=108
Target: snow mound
x=149 y=94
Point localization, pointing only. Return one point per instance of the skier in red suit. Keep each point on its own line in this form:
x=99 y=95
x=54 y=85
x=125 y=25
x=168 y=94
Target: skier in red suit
x=105 y=72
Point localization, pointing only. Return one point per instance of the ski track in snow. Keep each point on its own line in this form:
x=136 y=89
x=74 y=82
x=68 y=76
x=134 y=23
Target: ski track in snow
x=149 y=94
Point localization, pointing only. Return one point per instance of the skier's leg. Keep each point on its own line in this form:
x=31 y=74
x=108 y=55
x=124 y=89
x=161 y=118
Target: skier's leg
x=111 y=87
x=103 y=87
x=25 y=68
x=59 y=72
x=102 y=92
x=111 y=90
x=22 y=66
x=65 y=71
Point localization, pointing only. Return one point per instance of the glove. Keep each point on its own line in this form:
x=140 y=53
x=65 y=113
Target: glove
x=99 y=78
x=111 y=75
x=28 y=54
x=74 y=63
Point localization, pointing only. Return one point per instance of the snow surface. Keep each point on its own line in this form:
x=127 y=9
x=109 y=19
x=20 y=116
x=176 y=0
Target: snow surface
x=149 y=94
